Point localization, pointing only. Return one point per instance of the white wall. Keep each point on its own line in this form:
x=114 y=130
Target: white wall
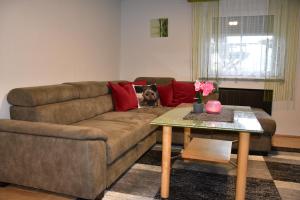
x=54 y=41
x=142 y=55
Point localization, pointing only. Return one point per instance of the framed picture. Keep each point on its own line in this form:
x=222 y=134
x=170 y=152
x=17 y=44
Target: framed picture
x=159 y=27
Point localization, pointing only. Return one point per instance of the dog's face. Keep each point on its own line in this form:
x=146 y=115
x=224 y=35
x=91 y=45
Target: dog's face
x=149 y=94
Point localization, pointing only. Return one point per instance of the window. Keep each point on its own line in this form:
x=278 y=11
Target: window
x=243 y=47
x=244 y=57
x=247 y=39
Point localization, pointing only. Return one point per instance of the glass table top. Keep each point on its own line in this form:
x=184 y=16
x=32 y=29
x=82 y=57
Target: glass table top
x=244 y=120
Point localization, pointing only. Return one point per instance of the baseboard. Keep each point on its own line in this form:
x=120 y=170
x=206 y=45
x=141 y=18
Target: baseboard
x=286 y=141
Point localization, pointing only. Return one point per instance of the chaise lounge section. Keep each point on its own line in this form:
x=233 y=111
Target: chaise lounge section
x=259 y=144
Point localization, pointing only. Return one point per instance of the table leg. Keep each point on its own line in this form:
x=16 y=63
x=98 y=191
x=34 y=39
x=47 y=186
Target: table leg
x=166 y=161
x=187 y=137
x=243 y=152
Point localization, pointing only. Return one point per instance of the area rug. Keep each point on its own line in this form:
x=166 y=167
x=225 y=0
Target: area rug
x=271 y=177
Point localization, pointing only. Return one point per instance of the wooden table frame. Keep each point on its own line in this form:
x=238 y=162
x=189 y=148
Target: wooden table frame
x=243 y=152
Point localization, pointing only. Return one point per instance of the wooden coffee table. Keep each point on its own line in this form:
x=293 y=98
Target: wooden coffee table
x=245 y=123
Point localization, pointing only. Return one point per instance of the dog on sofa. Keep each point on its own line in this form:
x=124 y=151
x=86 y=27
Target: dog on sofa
x=147 y=95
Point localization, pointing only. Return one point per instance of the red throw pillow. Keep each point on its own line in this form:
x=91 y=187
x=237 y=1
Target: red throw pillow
x=123 y=96
x=183 y=92
x=165 y=94
x=141 y=82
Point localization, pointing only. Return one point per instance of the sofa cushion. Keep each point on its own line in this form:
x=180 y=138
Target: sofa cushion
x=183 y=92
x=265 y=120
x=42 y=95
x=127 y=117
x=165 y=94
x=64 y=112
x=124 y=97
x=121 y=135
x=155 y=111
x=88 y=89
x=51 y=130
x=117 y=168
x=156 y=80
x=139 y=82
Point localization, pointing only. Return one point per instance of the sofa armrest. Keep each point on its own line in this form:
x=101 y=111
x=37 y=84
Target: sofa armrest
x=266 y=121
x=52 y=130
x=58 y=158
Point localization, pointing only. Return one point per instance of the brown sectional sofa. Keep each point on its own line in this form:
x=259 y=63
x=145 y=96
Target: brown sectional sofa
x=67 y=139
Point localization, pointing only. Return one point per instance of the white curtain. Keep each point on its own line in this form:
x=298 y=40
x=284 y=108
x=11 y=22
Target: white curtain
x=286 y=30
x=239 y=39
x=247 y=40
x=204 y=32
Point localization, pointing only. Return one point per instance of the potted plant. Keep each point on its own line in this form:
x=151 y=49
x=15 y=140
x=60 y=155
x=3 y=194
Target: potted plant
x=202 y=88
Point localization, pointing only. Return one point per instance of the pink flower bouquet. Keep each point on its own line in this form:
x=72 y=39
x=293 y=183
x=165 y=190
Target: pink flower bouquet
x=203 y=88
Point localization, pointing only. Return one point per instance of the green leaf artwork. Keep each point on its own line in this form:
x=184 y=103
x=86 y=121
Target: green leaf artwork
x=159 y=27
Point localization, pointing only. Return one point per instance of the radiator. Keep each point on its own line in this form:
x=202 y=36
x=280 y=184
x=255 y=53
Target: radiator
x=258 y=98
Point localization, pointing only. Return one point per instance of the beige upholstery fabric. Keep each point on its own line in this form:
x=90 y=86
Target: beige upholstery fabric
x=71 y=147
x=127 y=117
x=51 y=130
x=90 y=89
x=155 y=111
x=121 y=135
x=157 y=80
x=266 y=121
x=66 y=166
x=41 y=95
x=65 y=112
x=83 y=158
x=119 y=166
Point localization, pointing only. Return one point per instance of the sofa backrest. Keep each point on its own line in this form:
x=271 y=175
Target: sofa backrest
x=257 y=98
x=61 y=104
x=157 y=80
